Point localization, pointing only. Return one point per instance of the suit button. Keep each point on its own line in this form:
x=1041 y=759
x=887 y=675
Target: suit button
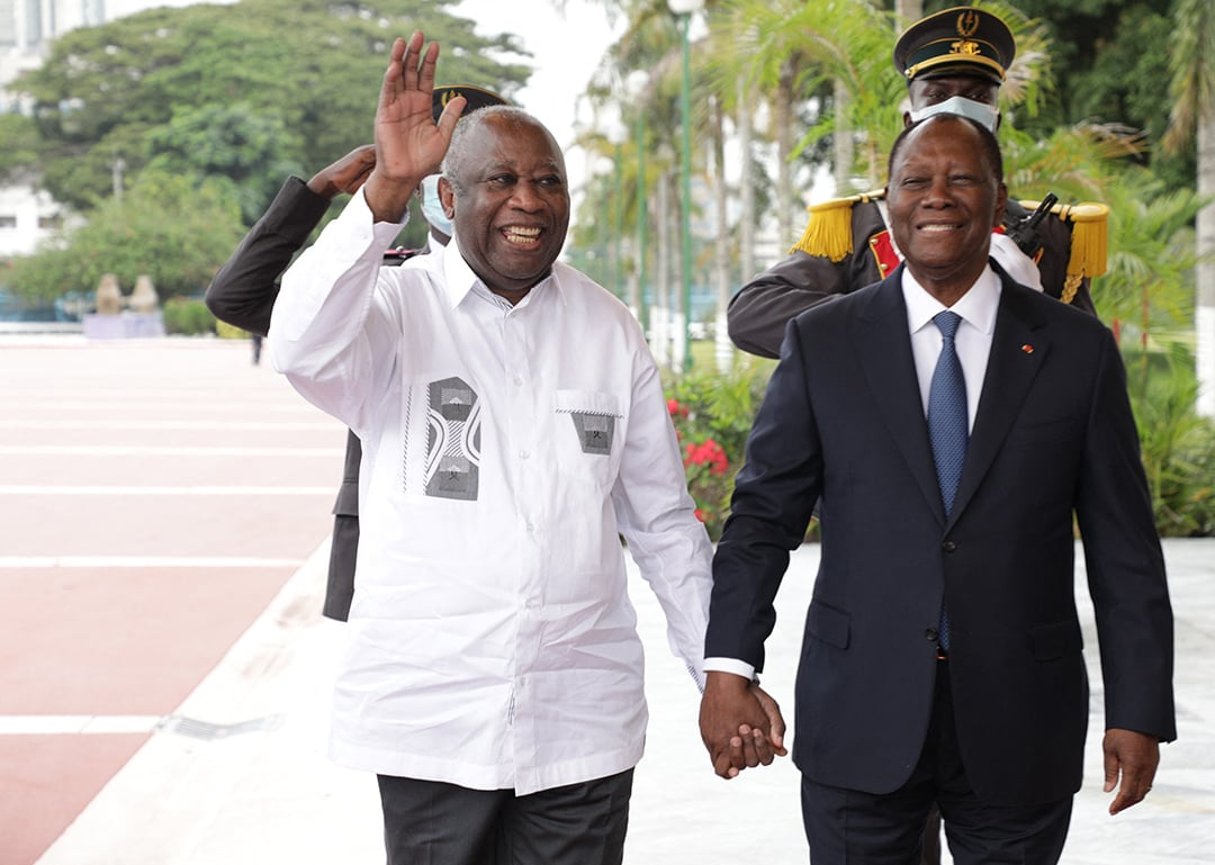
x=949 y=546
x=930 y=634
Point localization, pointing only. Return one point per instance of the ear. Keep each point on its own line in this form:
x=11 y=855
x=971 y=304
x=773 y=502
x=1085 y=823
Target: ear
x=906 y=119
x=447 y=197
x=1001 y=200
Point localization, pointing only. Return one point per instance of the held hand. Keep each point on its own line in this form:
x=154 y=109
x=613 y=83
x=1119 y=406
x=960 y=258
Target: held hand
x=752 y=746
x=738 y=726
x=776 y=721
x=345 y=175
x=408 y=143
x=1135 y=757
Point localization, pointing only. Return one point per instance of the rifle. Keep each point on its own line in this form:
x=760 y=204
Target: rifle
x=1025 y=232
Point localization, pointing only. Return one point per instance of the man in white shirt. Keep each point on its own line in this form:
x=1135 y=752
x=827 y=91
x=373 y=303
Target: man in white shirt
x=967 y=423
x=513 y=427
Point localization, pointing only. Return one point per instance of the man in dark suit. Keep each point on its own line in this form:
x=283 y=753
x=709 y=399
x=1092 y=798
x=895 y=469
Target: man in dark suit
x=245 y=288
x=953 y=424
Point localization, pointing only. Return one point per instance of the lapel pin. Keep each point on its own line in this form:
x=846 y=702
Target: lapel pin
x=1027 y=348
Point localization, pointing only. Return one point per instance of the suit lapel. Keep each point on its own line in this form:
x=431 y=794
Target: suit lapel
x=1019 y=347
x=884 y=349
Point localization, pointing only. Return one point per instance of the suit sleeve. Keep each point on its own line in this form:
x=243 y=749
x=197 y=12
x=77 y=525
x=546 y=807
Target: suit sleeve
x=245 y=288
x=759 y=312
x=1124 y=562
x=774 y=494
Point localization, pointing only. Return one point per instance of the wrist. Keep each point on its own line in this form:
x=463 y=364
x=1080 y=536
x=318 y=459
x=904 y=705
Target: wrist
x=388 y=197
x=720 y=679
x=322 y=186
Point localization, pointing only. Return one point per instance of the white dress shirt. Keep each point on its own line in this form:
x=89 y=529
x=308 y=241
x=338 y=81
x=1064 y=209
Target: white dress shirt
x=972 y=342
x=505 y=449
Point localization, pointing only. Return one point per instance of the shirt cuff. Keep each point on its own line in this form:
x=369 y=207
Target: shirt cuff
x=730 y=665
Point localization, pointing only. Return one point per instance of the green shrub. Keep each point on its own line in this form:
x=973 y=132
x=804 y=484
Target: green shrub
x=1178 y=446
x=229 y=331
x=187 y=316
x=712 y=414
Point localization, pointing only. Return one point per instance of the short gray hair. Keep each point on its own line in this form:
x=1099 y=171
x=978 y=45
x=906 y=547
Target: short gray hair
x=454 y=162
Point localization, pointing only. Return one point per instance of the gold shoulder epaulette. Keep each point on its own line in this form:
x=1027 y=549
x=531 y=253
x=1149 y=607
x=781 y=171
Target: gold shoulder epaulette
x=1090 y=236
x=828 y=234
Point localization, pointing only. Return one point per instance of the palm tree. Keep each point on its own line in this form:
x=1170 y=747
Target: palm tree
x=1193 y=89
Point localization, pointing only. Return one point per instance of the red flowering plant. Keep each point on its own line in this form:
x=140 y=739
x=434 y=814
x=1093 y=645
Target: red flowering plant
x=712 y=415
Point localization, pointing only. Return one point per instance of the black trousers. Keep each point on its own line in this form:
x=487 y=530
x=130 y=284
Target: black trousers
x=433 y=823
x=848 y=826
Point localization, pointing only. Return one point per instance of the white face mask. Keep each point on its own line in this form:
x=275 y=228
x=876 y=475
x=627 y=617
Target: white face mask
x=432 y=208
x=980 y=112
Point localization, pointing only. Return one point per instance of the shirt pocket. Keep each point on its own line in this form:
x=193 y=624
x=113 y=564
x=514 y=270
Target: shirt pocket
x=589 y=426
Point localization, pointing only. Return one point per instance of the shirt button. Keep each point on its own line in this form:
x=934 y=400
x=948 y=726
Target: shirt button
x=519 y=381
x=531 y=527
x=930 y=634
x=524 y=455
x=949 y=546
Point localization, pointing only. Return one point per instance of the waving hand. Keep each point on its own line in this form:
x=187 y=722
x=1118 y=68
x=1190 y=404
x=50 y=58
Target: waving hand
x=409 y=145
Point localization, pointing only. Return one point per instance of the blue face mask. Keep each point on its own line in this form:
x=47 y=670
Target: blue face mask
x=980 y=112
x=432 y=208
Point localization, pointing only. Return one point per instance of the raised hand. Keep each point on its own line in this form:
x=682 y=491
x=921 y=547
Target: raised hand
x=409 y=145
x=345 y=175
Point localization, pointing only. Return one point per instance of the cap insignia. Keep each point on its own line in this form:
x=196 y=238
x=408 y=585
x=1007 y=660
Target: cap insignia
x=965 y=46
x=968 y=23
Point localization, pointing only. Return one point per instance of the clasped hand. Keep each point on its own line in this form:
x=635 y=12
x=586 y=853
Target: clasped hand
x=740 y=724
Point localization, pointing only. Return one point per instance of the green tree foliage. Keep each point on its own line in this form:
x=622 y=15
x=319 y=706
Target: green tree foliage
x=168 y=226
x=1110 y=60
x=18 y=146
x=236 y=144
x=291 y=84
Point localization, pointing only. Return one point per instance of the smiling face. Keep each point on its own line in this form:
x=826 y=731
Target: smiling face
x=944 y=199
x=510 y=202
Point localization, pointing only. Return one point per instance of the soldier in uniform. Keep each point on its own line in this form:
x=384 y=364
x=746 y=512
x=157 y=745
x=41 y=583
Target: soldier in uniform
x=954 y=61
x=245 y=288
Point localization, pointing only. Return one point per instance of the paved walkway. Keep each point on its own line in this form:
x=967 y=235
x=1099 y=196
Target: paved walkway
x=227 y=767
x=248 y=784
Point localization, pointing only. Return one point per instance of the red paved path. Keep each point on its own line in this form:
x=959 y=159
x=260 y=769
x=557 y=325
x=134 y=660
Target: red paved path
x=115 y=637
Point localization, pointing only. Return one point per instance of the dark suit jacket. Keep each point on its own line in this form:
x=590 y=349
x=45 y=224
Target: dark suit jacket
x=760 y=310
x=1053 y=438
x=243 y=294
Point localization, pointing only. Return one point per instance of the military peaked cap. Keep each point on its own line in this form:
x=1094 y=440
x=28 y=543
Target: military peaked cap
x=478 y=97
x=958 y=41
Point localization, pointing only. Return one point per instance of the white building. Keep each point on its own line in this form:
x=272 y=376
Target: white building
x=27 y=27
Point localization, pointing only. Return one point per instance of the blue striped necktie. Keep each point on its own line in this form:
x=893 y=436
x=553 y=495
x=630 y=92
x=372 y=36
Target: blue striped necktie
x=948 y=428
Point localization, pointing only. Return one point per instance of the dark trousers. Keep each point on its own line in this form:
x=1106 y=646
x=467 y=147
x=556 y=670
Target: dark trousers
x=432 y=823
x=848 y=826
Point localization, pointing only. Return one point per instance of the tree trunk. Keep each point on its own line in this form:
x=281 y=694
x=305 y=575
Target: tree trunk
x=677 y=312
x=906 y=11
x=1204 y=314
x=746 y=224
x=783 y=111
x=723 y=351
x=842 y=139
x=660 y=339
